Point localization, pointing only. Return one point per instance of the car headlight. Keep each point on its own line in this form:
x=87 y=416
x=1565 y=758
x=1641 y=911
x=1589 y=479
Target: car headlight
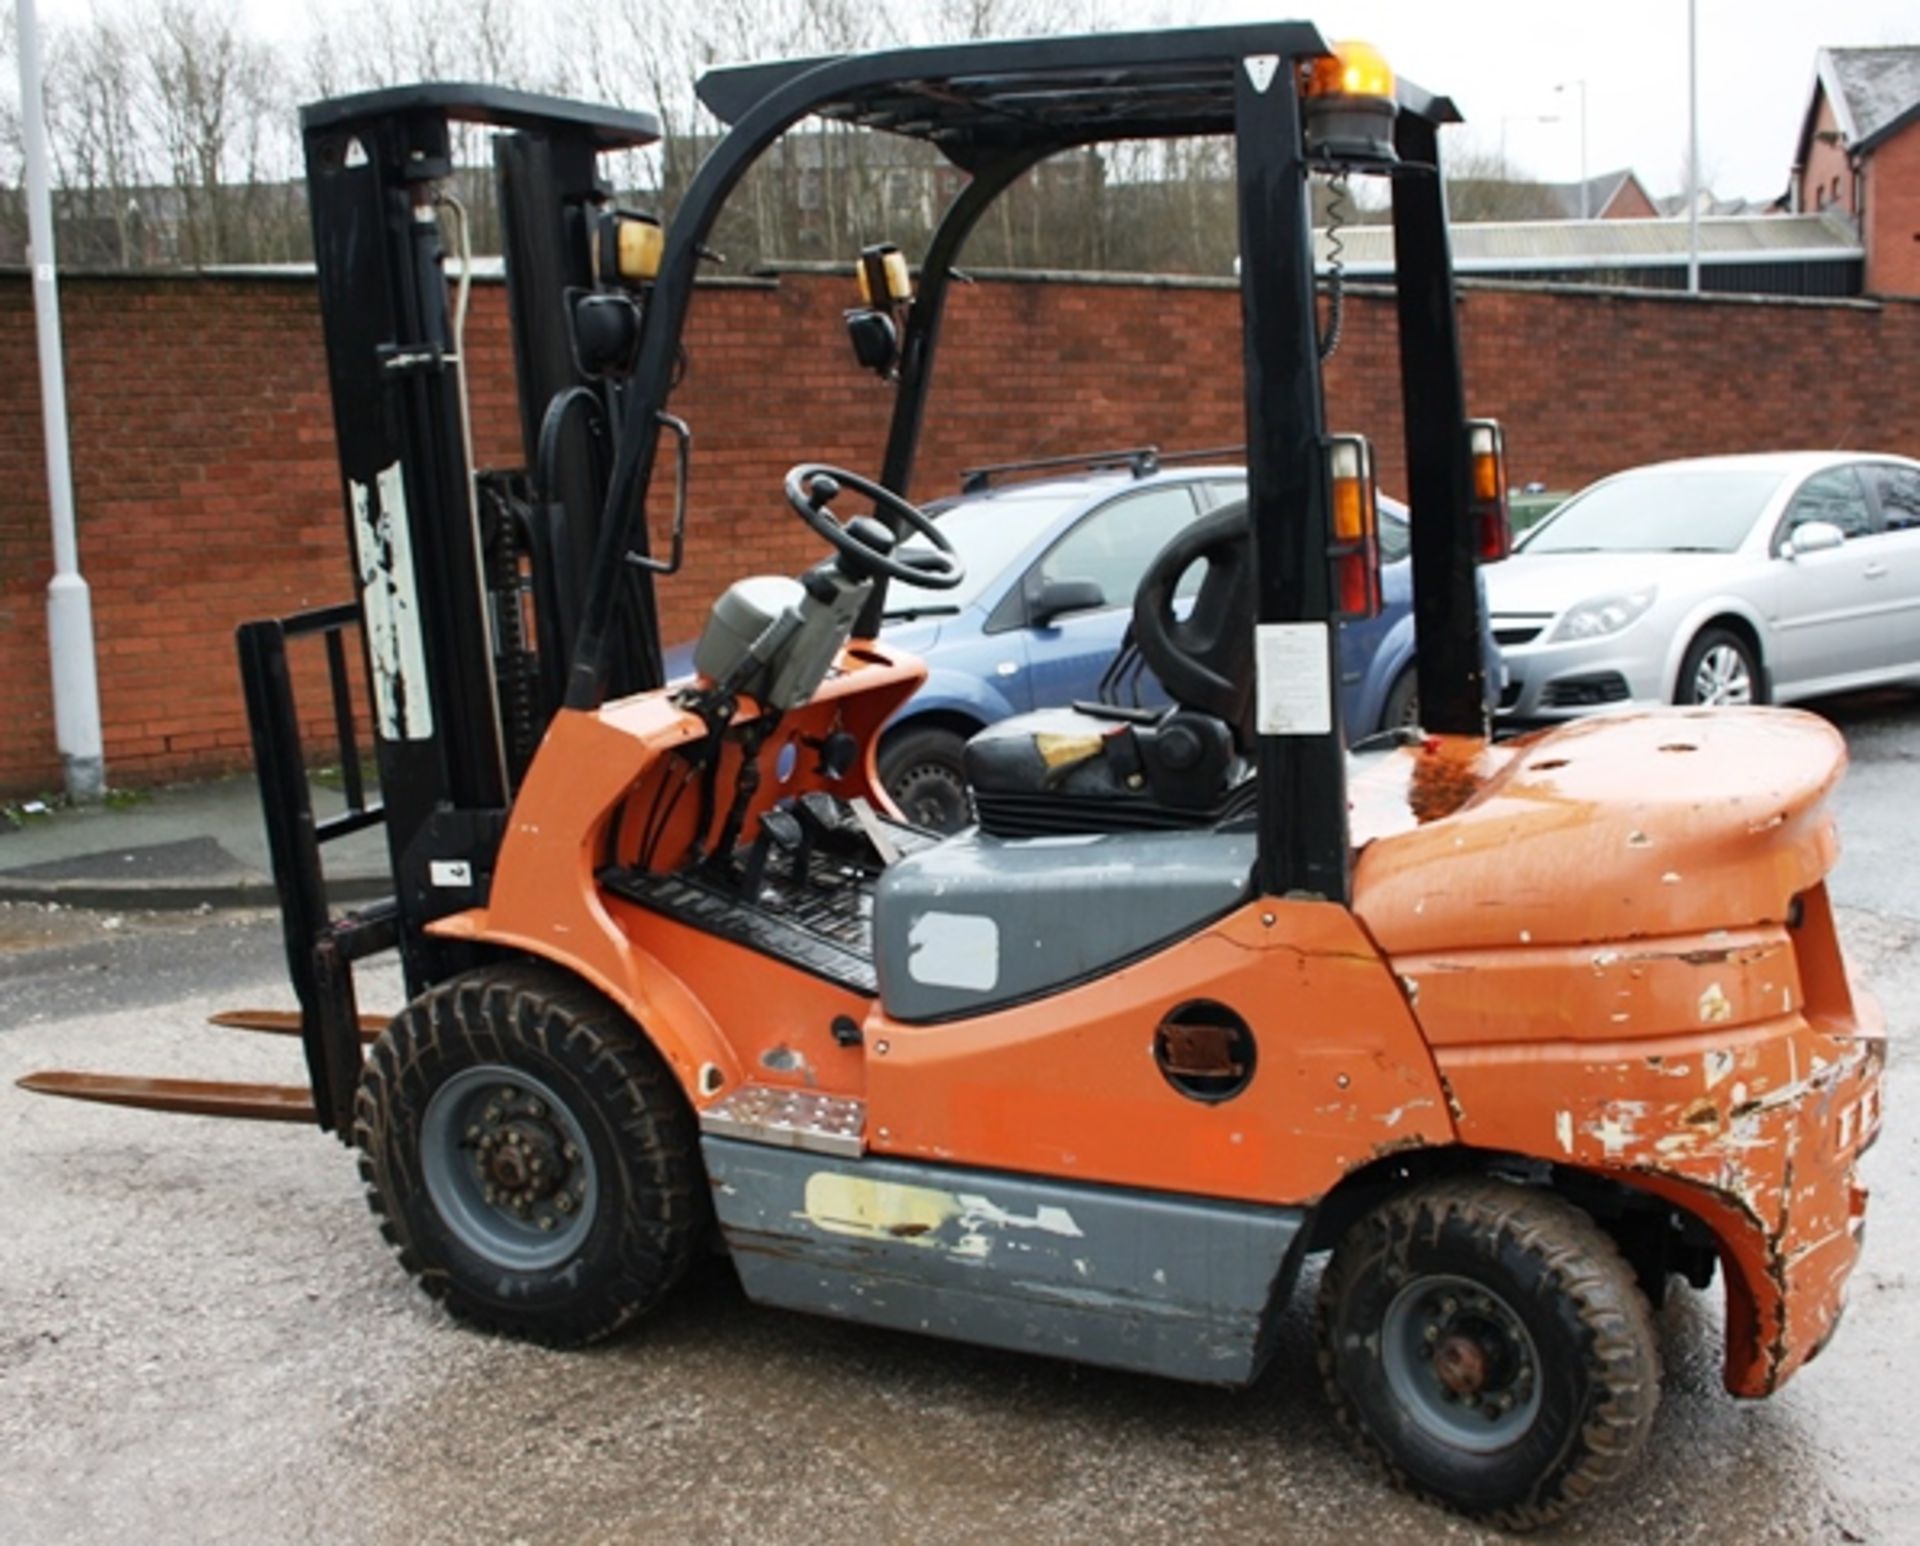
x=1598 y=616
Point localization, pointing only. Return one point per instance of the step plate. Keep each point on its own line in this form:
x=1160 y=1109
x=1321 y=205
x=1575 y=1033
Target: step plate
x=789 y=1119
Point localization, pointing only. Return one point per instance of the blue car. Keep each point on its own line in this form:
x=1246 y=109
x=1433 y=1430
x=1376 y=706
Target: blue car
x=1052 y=566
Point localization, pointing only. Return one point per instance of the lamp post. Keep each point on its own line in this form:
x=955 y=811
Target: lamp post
x=76 y=687
x=1581 y=86
x=1693 y=150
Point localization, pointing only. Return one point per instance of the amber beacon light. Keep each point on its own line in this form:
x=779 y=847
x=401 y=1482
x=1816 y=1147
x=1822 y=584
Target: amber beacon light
x=1348 y=97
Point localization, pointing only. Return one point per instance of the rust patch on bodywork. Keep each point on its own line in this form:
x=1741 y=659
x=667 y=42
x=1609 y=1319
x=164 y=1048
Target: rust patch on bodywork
x=1448 y=770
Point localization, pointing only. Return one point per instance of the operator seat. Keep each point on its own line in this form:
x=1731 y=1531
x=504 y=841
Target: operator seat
x=1103 y=768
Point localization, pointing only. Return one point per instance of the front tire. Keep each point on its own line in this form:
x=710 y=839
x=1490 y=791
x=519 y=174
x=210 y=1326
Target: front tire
x=528 y=1155
x=924 y=771
x=1488 y=1346
x=1721 y=669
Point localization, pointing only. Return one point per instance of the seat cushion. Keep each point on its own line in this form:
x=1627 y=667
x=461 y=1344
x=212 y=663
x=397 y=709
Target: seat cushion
x=1047 y=750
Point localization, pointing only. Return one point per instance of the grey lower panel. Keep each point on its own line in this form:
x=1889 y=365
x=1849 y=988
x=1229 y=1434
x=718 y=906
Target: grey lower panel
x=1130 y=1280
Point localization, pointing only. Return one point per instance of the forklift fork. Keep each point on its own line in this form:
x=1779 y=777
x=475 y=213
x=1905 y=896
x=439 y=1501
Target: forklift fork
x=320 y=947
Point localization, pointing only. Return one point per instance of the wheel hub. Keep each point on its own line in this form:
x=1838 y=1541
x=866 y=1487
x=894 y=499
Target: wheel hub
x=507 y=1166
x=1461 y=1362
x=523 y=1159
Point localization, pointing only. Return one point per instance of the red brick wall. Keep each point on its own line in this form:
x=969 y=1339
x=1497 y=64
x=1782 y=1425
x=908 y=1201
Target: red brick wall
x=208 y=494
x=1630 y=203
x=1825 y=166
x=1893 y=214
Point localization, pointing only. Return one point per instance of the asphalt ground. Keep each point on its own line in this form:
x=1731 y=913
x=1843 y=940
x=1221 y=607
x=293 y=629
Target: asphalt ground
x=203 y=1339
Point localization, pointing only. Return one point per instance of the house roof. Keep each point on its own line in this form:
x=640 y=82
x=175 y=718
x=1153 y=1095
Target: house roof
x=1674 y=205
x=1601 y=191
x=1874 y=92
x=1509 y=247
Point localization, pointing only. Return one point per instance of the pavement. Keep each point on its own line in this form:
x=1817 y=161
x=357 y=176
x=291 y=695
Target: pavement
x=185 y=846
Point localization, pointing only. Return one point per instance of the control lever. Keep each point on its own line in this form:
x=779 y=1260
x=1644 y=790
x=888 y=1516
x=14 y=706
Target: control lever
x=778 y=829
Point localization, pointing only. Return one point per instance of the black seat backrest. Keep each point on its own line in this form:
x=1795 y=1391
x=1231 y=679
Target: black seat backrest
x=1204 y=659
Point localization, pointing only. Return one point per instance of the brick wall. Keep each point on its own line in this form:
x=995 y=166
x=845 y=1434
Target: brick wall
x=1827 y=177
x=208 y=494
x=1893 y=214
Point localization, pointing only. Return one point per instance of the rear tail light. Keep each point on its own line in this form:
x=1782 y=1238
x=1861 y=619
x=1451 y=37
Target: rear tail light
x=1487 y=452
x=1355 y=549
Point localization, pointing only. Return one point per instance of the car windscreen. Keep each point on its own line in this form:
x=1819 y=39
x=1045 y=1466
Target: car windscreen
x=1663 y=510
x=1396 y=537
x=988 y=534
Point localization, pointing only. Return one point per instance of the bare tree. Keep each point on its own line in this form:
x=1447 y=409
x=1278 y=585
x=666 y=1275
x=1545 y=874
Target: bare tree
x=1484 y=185
x=211 y=91
x=13 y=221
x=95 y=89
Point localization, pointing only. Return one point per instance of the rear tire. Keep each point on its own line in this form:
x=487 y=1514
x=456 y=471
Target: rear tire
x=923 y=769
x=1401 y=711
x=1721 y=669
x=529 y=1156
x=1487 y=1345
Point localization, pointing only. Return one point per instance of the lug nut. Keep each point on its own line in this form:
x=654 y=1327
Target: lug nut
x=563 y=1202
x=571 y=1153
x=473 y=1134
x=536 y=1110
x=506 y=1092
x=491 y=1115
x=546 y=1221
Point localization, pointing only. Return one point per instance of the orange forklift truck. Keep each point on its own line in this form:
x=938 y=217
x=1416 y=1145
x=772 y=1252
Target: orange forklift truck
x=1517 y=1032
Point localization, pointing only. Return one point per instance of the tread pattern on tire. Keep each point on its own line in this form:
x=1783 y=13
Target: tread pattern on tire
x=658 y=1187
x=1584 y=1264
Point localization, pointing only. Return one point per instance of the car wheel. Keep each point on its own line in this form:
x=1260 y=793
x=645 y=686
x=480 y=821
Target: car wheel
x=1721 y=669
x=1402 y=708
x=1490 y=1348
x=529 y=1157
x=923 y=771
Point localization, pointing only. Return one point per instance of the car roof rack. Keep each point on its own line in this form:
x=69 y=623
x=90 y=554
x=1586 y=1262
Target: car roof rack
x=1205 y=454
x=1141 y=461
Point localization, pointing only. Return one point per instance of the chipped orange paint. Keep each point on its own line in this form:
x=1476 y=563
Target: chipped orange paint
x=1610 y=964
x=1584 y=948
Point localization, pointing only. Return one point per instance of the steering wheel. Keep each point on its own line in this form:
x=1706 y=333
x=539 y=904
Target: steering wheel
x=812 y=486
x=1205 y=659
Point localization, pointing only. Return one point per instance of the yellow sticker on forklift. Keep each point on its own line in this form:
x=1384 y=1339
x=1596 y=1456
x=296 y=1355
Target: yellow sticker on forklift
x=1293 y=672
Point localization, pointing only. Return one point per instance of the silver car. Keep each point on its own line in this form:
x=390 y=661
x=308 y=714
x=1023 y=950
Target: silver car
x=1725 y=579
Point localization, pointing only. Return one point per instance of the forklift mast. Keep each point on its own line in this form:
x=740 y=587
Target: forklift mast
x=467 y=580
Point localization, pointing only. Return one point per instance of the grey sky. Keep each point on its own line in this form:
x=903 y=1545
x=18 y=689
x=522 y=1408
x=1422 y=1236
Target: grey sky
x=1501 y=59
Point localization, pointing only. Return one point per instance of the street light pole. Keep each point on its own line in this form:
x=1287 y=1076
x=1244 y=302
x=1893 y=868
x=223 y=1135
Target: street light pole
x=1585 y=212
x=76 y=687
x=1693 y=149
